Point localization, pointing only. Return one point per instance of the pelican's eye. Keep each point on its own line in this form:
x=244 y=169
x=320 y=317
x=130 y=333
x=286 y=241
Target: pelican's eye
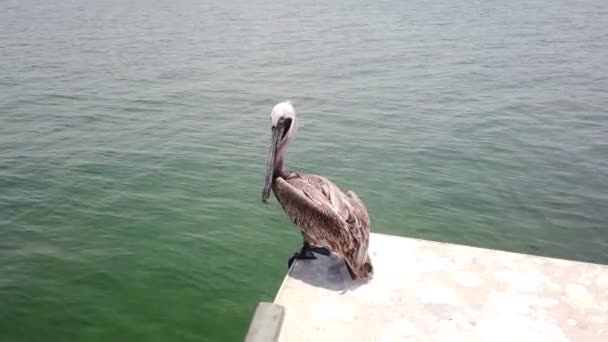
x=287 y=124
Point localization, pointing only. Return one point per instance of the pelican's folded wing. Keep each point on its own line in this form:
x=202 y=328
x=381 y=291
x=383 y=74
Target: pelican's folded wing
x=310 y=210
x=359 y=209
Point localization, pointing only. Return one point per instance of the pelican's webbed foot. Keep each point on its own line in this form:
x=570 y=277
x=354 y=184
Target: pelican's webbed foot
x=306 y=253
x=319 y=250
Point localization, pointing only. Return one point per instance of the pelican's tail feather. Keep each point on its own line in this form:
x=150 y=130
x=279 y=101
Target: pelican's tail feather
x=364 y=271
x=367 y=270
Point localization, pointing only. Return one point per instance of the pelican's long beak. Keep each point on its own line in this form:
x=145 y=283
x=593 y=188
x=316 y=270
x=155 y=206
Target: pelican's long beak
x=270 y=166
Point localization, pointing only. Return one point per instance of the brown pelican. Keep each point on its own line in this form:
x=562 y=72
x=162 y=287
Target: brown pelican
x=328 y=218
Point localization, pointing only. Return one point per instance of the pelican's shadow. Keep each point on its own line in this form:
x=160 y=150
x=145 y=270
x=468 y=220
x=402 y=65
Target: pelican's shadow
x=327 y=272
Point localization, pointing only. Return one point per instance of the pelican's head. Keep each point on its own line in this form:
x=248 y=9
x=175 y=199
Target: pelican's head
x=281 y=112
x=283 y=119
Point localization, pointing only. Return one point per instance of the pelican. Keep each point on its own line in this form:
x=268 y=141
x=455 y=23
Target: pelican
x=329 y=220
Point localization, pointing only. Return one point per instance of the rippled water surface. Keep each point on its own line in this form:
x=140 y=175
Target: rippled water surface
x=133 y=138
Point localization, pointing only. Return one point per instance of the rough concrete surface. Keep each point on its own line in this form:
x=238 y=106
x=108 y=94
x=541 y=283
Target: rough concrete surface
x=430 y=291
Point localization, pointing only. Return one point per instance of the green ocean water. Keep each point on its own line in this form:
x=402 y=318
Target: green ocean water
x=133 y=141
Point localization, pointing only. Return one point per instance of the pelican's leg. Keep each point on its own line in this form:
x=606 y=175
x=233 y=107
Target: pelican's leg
x=307 y=253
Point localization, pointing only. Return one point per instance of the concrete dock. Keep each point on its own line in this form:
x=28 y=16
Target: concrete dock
x=430 y=291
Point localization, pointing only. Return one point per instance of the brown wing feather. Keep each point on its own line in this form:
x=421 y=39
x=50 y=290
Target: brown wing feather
x=328 y=218
x=310 y=212
x=362 y=255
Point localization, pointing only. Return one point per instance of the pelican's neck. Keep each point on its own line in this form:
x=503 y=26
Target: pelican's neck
x=279 y=169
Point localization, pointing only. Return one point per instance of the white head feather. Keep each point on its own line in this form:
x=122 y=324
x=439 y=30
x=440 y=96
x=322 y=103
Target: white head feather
x=282 y=110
